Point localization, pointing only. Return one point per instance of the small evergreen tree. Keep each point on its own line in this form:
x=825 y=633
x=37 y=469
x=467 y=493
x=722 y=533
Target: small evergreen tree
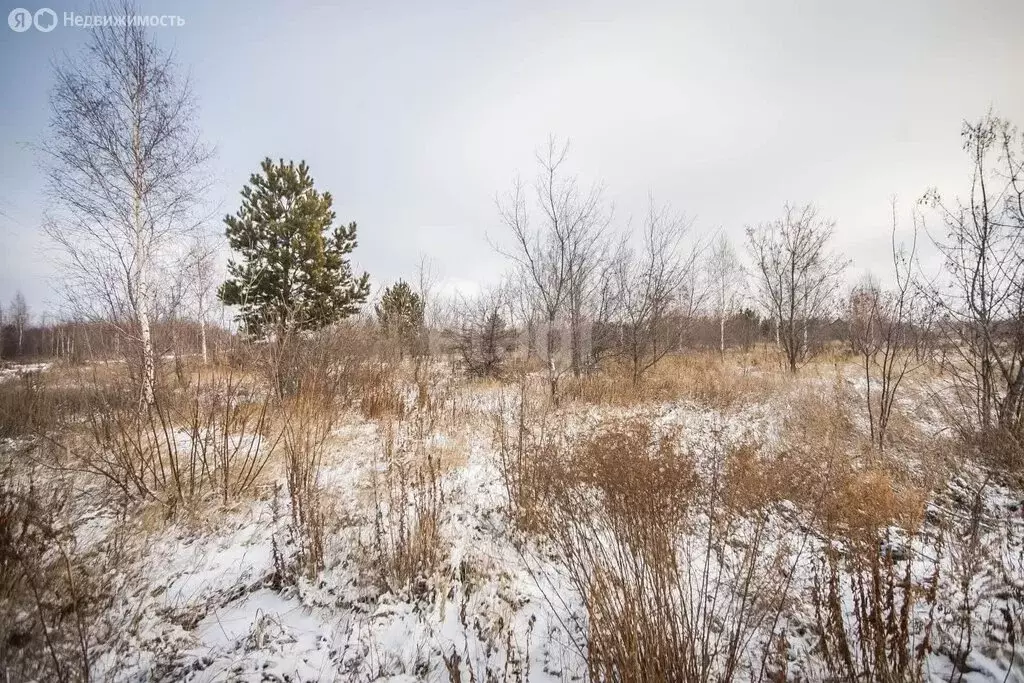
x=400 y=313
x=484 y=340
x=293 y=274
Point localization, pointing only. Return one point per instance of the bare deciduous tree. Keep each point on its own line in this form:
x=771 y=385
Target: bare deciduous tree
x=524 y=309
x=884 y=326
x=199 y=267
x=19 y=315
x=124 y=162
x=651 y=285
x=427 y=277
x=797 y=275
x=726 y=277
x=981 y=294
x=559 y=256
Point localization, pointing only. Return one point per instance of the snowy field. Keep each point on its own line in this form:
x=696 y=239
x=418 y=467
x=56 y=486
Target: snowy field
x=206 y=594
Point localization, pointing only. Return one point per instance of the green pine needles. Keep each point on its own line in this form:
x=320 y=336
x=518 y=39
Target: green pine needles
x=400 y=313
x=292 y=273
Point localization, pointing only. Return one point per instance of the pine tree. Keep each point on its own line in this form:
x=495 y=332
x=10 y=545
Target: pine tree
x=400 y=313
x=293 y=274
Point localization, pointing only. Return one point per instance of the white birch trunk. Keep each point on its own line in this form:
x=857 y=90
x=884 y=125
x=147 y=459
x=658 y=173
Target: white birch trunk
x=721 y=335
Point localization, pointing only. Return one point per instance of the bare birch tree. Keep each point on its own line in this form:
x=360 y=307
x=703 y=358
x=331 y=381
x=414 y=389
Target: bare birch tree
x=200 y=268
x=559 y=254
x=125 y=168
x=19 y=315
x=726 y=276
x=797 y=275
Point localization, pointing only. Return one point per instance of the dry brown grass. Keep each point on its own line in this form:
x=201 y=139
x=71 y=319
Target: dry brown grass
x=408 y=502
x=702 y=377
x=45 y=403
x=659 y=548
x=827 y=466
x=382 y=394
x=48 y=598
x=407 y=478
x=882 y=638
x=647 y=540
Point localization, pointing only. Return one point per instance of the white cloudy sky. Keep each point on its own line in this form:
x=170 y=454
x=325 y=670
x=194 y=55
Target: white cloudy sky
x=414 y=115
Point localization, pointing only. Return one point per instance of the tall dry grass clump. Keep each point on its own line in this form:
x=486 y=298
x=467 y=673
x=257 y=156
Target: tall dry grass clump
x=27 y=406
x=708 y=379
x=408 y=500
x=313 y=378
x=528 y=442
x=407 y=482
x=832 y=468
x=873 y=616
x=44 y=403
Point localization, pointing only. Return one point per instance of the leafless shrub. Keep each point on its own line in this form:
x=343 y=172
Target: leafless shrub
x=671 y=594
x=306 y=430
x=213 y=439
x=884 y=330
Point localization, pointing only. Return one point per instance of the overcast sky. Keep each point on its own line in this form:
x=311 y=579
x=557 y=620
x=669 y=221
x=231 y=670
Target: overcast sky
x=414 y=115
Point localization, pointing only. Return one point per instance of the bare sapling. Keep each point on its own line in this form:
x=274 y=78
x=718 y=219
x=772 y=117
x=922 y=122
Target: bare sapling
x=884 y=326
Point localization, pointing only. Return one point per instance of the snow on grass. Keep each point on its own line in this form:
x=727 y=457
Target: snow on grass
x=196 y=601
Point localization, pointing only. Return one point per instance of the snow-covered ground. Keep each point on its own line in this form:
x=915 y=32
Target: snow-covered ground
x=15 y=370
x=195 y=597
